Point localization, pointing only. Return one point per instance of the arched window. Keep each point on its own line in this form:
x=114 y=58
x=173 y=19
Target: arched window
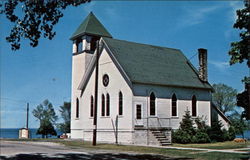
x=77 y=108
x=120 y=109
x=194 y=103
x=91 y=106
x=107 y=105
x=174 y=105
x=103 y=105
x=152 y=104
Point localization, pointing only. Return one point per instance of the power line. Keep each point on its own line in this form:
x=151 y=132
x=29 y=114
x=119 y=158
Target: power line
x=25 y=101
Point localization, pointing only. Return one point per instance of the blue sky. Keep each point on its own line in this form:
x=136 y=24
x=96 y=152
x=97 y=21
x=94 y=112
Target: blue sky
x=35 y=74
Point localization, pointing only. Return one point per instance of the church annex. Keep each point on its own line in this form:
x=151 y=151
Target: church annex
x=143 y=90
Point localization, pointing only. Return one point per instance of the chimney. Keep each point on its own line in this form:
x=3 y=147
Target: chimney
x=203 y=64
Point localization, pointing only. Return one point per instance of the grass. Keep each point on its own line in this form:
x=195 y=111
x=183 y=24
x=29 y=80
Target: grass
x=217 y=145
x=173 y=153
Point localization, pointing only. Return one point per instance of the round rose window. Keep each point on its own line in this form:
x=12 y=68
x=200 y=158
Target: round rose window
x=105 y=80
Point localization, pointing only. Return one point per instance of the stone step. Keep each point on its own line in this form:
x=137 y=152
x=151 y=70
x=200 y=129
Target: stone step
x=161 y=137
x=165 y=144
x=164 y=141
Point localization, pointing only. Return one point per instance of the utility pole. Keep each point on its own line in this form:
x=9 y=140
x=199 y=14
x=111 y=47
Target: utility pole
x=27 y=118
x=96 y=95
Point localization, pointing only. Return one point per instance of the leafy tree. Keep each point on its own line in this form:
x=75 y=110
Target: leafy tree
x=46 y=128
x=224 y=97
x=243 y=100
x=65 y=114
x=38 y=18
x=238 y=123
x=45 y=113
x=240 y=50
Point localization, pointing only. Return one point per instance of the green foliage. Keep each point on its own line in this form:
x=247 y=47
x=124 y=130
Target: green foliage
x=243 y=101
x=239 y=50
x=37 y=19
x=231 y=133
x=46 y=128
x=65 y=114
x=239 y=126
x=45 y=113
x=201 y=137
x=180 y=136
x=215 y=133
x=187 y=133
x=224 y=97
x=187 y=124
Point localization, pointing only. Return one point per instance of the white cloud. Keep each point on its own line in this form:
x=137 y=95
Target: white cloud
x=232 y=16
x=221 y=65
x=196 y=16
x=234 y=5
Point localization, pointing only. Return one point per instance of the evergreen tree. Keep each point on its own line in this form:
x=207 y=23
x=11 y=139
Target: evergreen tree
x=187 y=124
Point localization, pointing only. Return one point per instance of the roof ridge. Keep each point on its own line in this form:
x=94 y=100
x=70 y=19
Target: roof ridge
x=142 y=43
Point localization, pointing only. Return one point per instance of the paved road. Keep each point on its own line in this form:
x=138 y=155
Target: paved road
x=19 y=150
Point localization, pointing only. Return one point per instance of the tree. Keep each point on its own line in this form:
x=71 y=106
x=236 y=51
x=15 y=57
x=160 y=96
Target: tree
x=37 y=19
x=243 y=100
x=45 y=113
x=65 y=114
x=240 y=50
x=238 y=123
x=186 y=131
x=224 y=97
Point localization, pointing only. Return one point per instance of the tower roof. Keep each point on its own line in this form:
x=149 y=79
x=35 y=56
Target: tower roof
x=92 y=26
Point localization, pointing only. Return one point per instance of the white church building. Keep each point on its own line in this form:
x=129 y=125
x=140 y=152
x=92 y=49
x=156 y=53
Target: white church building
x=142 y=90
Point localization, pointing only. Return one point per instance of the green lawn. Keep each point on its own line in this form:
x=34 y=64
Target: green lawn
x=173 y=153
x=217 y=145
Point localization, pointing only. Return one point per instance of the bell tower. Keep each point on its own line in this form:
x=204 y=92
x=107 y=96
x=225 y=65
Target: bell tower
x=84 y=44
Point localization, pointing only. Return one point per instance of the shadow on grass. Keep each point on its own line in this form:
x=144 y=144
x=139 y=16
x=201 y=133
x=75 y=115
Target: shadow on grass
x=103 y=156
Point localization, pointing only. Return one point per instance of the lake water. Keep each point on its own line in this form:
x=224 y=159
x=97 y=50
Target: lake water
x=14 y=133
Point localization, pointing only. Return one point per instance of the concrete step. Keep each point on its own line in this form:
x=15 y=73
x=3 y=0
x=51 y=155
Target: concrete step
x=165 y=144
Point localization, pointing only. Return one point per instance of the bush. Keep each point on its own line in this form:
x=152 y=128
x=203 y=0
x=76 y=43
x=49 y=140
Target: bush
x=201 y=137
x=180 y=136
x=231 y=133
x=215 y=133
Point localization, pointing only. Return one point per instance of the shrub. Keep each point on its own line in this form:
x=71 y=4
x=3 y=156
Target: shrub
x=180 y=136
x=215 y=133
x=201 y=137
x=231 y=133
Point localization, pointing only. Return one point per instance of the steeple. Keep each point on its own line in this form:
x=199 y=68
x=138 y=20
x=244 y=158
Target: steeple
x=91 y=26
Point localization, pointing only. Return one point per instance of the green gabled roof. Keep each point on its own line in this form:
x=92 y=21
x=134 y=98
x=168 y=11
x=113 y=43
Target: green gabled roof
x=155 y=65
x=91 y=25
